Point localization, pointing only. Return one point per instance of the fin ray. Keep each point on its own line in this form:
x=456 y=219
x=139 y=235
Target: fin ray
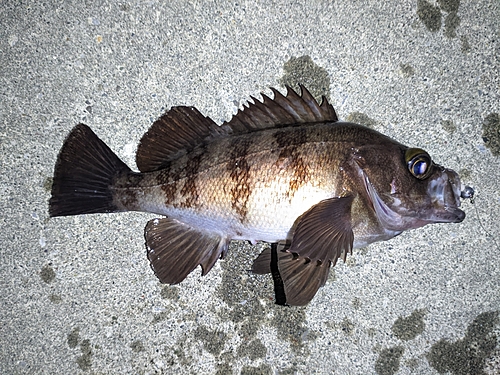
x=176 y=249
x=182 y=128
x=301 y=278
x=324 y=232
x=321 y=236
x=174 y=134
x=83 y=176
x=281 y=111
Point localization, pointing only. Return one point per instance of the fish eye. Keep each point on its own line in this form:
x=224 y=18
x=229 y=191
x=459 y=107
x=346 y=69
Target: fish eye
x=419 y=163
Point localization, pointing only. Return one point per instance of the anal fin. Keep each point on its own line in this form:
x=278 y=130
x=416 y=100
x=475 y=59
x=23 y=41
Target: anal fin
x=176 y=249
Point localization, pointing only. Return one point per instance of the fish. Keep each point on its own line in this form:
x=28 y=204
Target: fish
x=285 y=171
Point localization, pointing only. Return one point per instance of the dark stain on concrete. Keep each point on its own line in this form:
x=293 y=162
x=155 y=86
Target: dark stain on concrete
x=491 y=133
x=55 y=298
x=449 y=126
x=406 y=70
x=85 y=360
x=176 y=354
x=288 y=371
x=170 y=292
x=465 y=174
x=407 y=328
x=356 y=303
x=213 y=341
x=254 y=349
x=466 y=356
x=332 y=276
x=73 y=337
x=346 y=326
x=137 y=346
x=388 y=360
x=47 y=184
x=430 y=15
x=465 y=44
x=160 y=317
x=449 y=5
x=412 y=364
x=304 y=70
x=289 y=323
x=362 y=119
x=263 y=369
x=224 y=368
x=47 y=274
x=451 y=23
x=248 y=305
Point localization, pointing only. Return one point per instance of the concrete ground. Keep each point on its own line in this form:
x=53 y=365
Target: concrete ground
x=77 y=294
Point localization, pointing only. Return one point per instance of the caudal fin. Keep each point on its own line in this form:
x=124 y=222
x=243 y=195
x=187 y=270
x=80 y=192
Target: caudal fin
x=84 y=174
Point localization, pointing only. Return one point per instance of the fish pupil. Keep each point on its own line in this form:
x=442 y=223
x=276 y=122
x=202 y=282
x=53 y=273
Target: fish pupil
x=420 y=167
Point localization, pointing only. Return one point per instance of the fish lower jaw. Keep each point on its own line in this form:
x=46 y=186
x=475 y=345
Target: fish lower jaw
x=447 y=214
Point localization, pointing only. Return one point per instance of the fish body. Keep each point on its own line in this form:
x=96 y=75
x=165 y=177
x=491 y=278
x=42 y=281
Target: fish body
x=284 y=170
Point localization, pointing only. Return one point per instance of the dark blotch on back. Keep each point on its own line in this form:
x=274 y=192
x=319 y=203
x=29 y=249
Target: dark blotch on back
x=239 y=171
x=290 y=157
x=189 y=190
x=126 y=180
x=168 y=182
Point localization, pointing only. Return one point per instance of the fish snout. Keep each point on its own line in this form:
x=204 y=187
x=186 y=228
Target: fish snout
x=445 y=192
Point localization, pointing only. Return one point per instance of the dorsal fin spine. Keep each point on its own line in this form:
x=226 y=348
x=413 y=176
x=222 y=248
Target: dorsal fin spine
x=183 y=128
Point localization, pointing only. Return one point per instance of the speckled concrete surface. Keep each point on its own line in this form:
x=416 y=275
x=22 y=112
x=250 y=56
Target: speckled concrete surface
x=77 y=294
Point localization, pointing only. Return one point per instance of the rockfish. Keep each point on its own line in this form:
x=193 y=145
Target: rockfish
x=282 y=170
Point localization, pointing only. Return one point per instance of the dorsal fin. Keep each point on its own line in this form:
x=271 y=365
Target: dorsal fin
x=183 y=128
x=281 y=111
x=172 y=135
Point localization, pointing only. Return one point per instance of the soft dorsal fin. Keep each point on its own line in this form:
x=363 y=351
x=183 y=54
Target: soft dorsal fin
x=281 y=111
x=172 y=135
x=183 y=128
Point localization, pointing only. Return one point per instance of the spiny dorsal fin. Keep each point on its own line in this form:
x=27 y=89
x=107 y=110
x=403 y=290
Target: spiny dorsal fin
x=281 y=111
x=175 y=133
x=183 y=128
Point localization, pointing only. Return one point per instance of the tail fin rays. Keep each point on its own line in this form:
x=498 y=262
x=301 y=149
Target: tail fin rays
x=83 y=176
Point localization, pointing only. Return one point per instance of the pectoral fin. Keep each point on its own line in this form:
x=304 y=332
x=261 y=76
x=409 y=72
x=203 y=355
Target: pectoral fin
x=322 y=235
x=175 y=249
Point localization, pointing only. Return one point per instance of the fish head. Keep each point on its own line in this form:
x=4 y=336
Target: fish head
x=406 y=189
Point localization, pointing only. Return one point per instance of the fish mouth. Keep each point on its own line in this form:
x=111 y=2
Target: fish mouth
x=445 y=192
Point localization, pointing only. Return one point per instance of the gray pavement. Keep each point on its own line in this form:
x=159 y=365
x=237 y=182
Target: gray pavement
x=77 y=294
